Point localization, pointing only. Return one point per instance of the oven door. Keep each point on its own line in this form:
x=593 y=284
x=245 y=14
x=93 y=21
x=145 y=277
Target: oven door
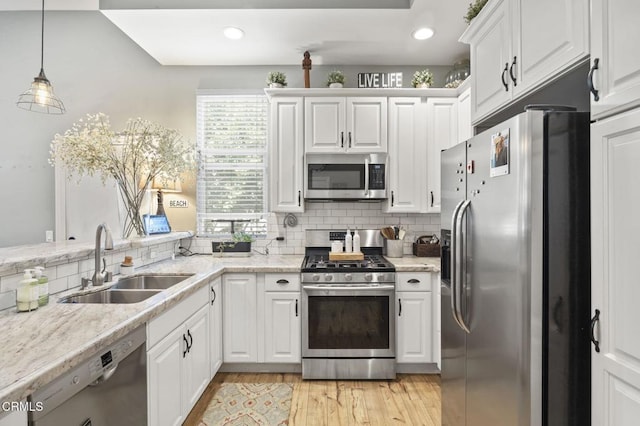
x=348 y=321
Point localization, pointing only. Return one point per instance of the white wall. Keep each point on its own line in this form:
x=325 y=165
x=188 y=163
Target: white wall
x=94 y=67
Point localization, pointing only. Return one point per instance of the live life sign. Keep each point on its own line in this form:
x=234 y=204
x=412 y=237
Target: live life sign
x=379 y=79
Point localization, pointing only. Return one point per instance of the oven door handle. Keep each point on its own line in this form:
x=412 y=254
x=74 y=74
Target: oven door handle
x=350 y=288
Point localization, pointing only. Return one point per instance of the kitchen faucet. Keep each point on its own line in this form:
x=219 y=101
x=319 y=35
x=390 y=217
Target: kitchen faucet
x=99 y=275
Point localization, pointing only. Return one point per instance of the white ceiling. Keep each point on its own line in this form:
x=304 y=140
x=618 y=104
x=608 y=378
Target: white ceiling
x=335 y=32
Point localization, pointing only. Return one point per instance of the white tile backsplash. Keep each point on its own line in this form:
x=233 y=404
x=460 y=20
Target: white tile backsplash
x=336 y=215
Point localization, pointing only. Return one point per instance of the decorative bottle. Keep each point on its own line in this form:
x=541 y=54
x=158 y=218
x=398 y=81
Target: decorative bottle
x=356 y=241
x=348 y=242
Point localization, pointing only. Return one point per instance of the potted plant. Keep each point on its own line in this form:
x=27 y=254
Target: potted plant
x=474 y=9
x=277 y=79
x=422 y=79
x=241 y=243
x=335 y=79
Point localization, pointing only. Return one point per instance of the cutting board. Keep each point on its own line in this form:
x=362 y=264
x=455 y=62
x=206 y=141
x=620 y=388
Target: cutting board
x=336 y=255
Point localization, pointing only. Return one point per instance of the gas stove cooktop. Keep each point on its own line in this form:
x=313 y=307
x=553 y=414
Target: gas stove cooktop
x=321 y=263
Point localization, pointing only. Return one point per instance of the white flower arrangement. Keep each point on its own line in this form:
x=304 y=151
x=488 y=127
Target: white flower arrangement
x=134 y=157
x=422 y=77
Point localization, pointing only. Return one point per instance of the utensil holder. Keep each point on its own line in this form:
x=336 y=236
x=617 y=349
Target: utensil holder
x=394 y=248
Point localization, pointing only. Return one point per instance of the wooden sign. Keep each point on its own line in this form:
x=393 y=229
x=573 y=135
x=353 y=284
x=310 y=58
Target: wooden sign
x=380 y=79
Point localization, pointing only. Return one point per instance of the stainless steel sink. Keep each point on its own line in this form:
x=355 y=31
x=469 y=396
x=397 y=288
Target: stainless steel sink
x=111 y=296
x=150 y=281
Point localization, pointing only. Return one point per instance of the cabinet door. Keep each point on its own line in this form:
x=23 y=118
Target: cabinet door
x=282 y=327
x=465 y=130
x=614 y=43
x=240 y=342
x=215 y=325
x=286 y=157
x=442 y=129
x=197 y=364
x=165 y=379
x=324 y=124
x=615 y=231
x=490 y=54
x=407 y=155
x=541 y=54
x=414 y=327
x=366 y=124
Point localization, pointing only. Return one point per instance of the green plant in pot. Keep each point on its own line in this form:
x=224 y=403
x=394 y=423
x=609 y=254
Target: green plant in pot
x=335 y=79
x=474 y=9
x=422 y=79
x=241 y=243
x=276 y=79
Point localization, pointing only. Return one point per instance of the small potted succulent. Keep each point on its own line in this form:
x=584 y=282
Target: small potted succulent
x=422 y=79
x=276 y=79
x=241 y=243
x=335 y=79
x=474 y=9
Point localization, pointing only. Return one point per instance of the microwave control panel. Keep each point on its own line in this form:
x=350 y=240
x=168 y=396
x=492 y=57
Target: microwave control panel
x=376 y=176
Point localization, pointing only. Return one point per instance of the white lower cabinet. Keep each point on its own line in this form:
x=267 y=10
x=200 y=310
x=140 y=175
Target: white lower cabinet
x=415 y=318
x=178 y=366
x=282 y=326
x=240 y=336
x=215 y=324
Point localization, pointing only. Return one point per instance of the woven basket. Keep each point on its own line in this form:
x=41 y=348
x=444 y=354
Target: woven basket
x=422 y=247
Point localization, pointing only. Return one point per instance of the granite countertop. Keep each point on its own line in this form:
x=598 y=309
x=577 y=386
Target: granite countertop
x=39 y=346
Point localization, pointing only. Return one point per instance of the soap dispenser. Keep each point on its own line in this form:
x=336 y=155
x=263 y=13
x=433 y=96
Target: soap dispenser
x=27 y=293
x=43 y=286
x=348 y=242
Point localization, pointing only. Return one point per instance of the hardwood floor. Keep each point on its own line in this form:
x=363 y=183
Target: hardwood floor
x=411 y=399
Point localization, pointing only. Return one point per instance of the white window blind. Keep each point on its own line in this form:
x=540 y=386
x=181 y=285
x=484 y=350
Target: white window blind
x=232 y=140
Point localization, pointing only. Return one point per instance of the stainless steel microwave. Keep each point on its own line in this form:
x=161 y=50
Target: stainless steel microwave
x=345 y=177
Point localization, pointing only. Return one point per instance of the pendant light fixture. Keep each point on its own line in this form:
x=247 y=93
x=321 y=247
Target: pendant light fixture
x=40 y=96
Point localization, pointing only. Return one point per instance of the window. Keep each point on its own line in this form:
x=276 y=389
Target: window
x=232 y=141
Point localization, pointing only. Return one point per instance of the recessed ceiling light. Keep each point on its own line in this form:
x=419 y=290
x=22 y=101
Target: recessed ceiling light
x=233 y=33
x=422 y=33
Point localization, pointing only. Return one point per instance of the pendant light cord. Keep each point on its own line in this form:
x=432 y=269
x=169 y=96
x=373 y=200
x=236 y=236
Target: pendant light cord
x=42 y=41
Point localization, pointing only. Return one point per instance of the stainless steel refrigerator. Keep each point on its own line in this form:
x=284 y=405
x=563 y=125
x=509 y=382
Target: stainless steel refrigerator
x=516 y=273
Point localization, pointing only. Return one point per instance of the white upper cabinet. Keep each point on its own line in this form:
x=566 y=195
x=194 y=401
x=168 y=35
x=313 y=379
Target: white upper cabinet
x=614 y=45
x=519 y=45
x=442 y=129
x=286 y=154
x=339 y=124
x=407 y=155
x=465 y=130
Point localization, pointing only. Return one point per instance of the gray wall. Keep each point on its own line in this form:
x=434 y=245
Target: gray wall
x=94 y=67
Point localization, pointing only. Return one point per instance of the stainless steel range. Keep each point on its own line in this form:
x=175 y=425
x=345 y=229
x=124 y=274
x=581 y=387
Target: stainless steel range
x=348 y=310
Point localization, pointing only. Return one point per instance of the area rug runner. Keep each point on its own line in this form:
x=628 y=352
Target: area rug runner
x=249 y=404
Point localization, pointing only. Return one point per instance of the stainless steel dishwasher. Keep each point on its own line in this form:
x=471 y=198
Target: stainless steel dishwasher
x=110 y=388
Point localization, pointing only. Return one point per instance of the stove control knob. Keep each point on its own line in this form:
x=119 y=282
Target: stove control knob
x=328 y=277
x=368 y=277
x=315 y=277
x=348 y=277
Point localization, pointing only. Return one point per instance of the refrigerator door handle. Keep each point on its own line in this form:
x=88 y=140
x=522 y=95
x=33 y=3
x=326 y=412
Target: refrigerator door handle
x=461 y=283
x=454 y=263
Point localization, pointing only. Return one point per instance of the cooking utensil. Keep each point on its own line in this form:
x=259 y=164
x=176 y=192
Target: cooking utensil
x=388 y=233
x=401 y=234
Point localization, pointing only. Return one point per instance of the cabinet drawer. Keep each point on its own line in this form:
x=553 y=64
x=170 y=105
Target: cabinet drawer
x=413 y=281
x=161 y=326
x=282 y=282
